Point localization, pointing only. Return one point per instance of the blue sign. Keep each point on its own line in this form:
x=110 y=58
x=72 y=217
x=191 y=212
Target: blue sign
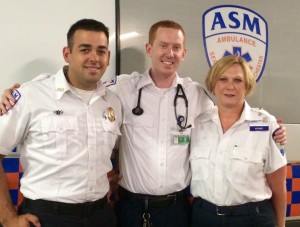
x=236 y=30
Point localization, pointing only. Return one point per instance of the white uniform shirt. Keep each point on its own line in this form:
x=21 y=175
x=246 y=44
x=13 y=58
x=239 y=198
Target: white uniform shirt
x=65 y=157
x=229 y=169
x=150 y=162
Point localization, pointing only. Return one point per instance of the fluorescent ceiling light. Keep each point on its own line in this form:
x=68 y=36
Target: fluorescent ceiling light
x=112 y=37
x=128 y=35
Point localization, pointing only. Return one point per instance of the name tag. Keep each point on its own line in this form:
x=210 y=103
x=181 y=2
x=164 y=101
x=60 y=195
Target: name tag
x=181 y=139
x=259 y=126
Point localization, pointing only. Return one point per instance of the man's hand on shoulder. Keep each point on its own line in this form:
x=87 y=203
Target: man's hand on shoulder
x=8 y=101
x=280 y=134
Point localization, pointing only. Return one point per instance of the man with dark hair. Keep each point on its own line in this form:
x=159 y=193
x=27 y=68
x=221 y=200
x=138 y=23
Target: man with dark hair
x=65 y=127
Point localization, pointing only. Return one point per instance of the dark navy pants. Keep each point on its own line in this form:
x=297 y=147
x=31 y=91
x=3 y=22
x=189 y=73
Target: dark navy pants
x=102 y=217
x=202 y=217
x=130 y=213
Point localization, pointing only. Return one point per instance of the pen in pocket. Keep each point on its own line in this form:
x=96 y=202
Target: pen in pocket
x=234 y=149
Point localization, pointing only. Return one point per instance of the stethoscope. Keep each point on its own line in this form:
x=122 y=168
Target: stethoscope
x=181 y=120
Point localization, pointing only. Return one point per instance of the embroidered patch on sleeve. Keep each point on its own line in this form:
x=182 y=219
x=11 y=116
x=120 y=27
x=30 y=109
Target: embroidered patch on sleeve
x=16 y=95
x=113 y=81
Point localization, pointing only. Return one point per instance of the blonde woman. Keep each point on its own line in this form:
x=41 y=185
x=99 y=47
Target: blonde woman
x=238 y=171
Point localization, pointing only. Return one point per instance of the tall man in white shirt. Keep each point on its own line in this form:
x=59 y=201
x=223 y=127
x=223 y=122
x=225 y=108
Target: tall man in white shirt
x=66 y=126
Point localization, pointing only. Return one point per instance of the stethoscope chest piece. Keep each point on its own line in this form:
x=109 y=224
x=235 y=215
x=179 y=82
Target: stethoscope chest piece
x=180 y=119
x=137 y=111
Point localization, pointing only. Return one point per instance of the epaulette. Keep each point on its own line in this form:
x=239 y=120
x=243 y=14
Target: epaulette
x=186 y=80
x=41 y=77
x=207 y=116
x=260 y=111
x=262 y=114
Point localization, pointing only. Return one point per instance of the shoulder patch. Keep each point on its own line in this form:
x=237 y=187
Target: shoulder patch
x=16 y=95
x=113 y=81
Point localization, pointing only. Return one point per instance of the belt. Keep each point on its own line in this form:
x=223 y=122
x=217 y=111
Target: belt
x=243 y=209
x=58 y=208
x=153 y=200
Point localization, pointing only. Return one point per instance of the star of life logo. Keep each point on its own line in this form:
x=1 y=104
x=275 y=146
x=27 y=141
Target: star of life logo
x=16 y=95
x=113 y=81
x=235 y=30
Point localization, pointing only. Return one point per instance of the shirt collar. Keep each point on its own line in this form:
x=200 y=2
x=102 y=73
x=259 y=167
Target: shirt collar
x=252 y=114
x=249 y=114
x=246 y=113
x=62 y=86
x=61 y=83
x=146 y=80
x=101 y=90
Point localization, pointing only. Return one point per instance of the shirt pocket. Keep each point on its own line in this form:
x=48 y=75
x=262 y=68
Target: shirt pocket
x=243 y=161
x=140 y=131
x=111 y=132
x=199 y=160
x=144 y=120
x=56 y=131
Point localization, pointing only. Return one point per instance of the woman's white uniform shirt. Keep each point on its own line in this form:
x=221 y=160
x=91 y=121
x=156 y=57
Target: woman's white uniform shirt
x=229 y=168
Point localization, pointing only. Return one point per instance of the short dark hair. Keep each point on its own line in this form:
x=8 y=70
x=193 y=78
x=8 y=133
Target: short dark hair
x=88 y=25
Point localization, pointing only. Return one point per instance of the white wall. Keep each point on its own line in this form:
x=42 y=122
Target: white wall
x=33 y=33
x=292 y=147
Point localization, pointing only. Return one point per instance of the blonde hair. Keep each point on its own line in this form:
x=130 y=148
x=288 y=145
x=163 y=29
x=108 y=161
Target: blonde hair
x=225 y=63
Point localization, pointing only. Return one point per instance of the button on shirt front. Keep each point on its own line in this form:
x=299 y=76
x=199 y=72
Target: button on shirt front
x=65 y=157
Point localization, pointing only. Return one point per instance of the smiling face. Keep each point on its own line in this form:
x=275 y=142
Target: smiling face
x=88 y=58
x=230 y=88
x=166 y=52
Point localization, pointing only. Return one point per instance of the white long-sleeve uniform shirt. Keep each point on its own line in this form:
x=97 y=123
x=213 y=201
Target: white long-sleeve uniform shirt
x=150 y=162
x=229 y=168
x=65 y=155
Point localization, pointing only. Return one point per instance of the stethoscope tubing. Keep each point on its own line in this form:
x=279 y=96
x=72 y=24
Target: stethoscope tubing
x=138 y=110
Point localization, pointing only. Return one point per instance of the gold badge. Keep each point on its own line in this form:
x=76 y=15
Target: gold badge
x=111 y=114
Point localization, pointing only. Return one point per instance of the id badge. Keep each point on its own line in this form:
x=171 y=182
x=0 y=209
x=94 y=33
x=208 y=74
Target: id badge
x=181 y=139
x=259 y=126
